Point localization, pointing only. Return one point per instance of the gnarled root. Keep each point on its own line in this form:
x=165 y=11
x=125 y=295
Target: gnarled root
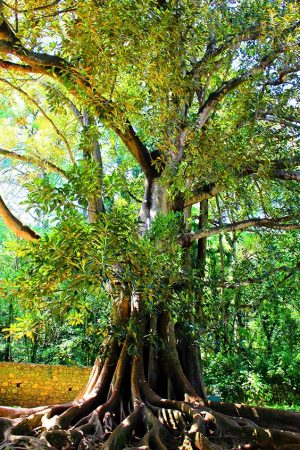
x=119 y=409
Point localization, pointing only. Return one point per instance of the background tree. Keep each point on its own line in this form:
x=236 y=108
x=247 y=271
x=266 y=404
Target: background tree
x=203 y=95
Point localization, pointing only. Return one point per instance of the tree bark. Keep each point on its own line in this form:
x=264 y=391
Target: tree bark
x=119 y=408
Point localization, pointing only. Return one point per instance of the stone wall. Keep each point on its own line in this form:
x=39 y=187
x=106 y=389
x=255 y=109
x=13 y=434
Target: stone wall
x=40 y=384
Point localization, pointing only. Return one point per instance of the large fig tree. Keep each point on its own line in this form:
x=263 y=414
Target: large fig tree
x=202 y=95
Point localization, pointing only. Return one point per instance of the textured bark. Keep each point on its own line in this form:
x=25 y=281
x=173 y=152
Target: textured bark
x=120 y=409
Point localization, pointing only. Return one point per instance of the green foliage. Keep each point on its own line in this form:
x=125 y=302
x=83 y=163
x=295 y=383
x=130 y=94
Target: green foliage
x=49 y=196
x=251 y=344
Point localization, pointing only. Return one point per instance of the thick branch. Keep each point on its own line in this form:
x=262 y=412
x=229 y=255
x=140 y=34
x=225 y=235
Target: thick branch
x=10 y=44
x=34 y=59
x=40 y=63
x=287 y=163
x=14 y=224
x=276 y=223
x=58 y=68
x=280 y=120
x=138 y=150
x=21 y=68
x=32 y=160
x=205 y=193
x=128 y=136
x=213 y=50
x=277 y=168
x=283 y=74
x=287 y=175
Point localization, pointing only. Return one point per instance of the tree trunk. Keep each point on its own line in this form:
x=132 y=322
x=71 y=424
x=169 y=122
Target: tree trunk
x=91 y=151
x=124 y=405
x=144 y=396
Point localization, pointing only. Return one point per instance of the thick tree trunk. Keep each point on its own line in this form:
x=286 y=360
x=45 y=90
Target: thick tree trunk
x=126 y=405
x=145 y=396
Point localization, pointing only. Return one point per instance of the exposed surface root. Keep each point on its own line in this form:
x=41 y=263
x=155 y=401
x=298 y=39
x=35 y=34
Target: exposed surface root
x=264 y=417
x=119 y=409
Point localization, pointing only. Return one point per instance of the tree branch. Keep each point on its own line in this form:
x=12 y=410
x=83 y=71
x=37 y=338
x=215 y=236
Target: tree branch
x=287 y=175
x=15 y=225
x=280 y=120
x=130 y=139
x=227 y=86
x=133 y=196
x=138 y=150
x=21 y=68
x=213 y=50
x=40 y=63
x=283 y=74
x=277 y=170
x=287 y=163
x=205 y=193
x=128 y=136
x=57 y=68
x=32 y=160
x=276 y=223
x=34 y=59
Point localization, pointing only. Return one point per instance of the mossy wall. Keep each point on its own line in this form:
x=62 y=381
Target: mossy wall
x=40 y=384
